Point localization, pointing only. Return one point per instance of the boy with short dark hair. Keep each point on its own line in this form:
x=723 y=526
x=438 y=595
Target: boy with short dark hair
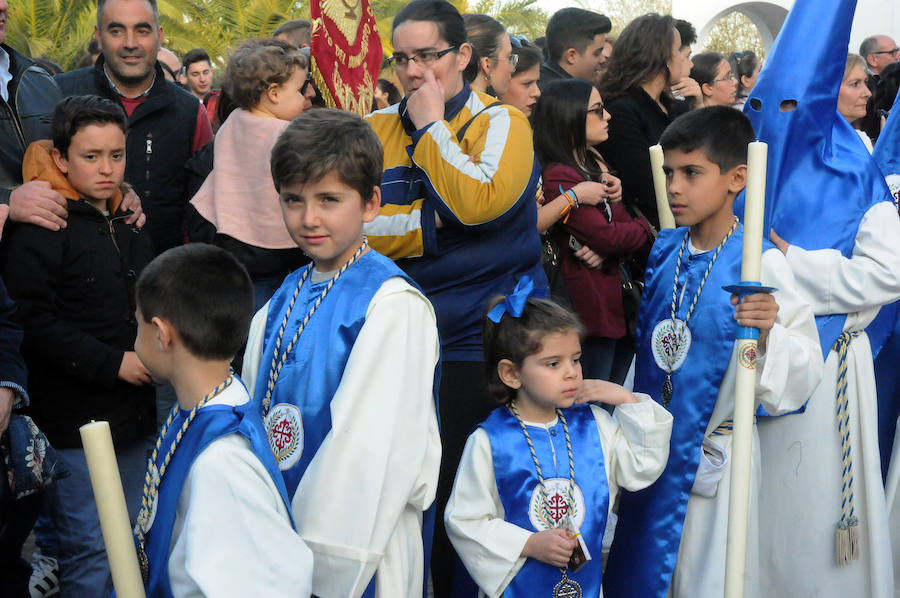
x=686 y=355
x=75 y=293
x=343 y=362
x=215 y=517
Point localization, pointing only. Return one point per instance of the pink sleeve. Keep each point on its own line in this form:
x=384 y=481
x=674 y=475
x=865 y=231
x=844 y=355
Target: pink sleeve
x=202 y=130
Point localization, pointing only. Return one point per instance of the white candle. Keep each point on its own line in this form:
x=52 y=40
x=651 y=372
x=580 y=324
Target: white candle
x=110 y=499
x=666 y=219
x=754 y=210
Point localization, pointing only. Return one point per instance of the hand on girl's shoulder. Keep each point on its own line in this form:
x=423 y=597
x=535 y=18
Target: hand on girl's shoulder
x=601 y=391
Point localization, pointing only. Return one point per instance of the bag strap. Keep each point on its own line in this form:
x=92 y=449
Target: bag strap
x=640 y=215
x=462 y=132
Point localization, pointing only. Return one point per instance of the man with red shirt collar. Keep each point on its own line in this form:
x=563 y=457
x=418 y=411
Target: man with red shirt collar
x=166 y=124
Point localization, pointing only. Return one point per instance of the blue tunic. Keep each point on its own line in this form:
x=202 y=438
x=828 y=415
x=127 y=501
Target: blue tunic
x=210 y=424
x=517 y=484
x=648 y=532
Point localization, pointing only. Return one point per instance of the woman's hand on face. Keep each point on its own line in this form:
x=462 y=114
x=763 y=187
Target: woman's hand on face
x=426 y=104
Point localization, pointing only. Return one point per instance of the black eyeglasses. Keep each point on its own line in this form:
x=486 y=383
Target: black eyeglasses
x=599 y=110
x=423 y=59
x=893 y=52
x=306 y=84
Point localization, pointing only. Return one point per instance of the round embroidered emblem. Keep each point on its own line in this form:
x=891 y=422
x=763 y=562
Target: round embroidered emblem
x=284 y=428
x=747 y=355
x=671 y=341
x=559 y=504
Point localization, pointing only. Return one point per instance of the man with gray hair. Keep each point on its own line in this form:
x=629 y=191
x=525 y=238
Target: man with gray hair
x=297 y=32
x=878 y=52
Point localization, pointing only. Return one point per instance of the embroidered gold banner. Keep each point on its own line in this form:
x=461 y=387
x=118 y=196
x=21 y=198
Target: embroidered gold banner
x=346 y=53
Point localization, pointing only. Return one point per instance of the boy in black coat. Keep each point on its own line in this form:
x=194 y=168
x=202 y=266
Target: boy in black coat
x=75 y=293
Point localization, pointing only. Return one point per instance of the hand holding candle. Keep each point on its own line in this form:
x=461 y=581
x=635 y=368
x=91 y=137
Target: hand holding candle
x=110 y=499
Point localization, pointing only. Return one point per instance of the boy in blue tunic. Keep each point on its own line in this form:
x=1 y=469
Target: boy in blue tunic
x=214 y=519
x=671 y=536
x=540 y=468
x=343 y=361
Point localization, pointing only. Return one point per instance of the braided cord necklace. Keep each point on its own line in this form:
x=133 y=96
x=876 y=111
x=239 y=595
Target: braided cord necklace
x=672 y=337
x=151 y=481
x=566 y=587
x=279 y=358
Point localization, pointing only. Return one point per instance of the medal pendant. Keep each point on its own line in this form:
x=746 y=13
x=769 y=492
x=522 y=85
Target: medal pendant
x=144 y=564
x=670 y=343
x=667 y=390
x=566 y=588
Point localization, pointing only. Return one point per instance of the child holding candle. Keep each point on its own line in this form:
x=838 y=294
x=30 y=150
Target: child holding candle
x=75 y=293
x=518 y=500
x=215 y=517
x=343 y=361
x=672 y=535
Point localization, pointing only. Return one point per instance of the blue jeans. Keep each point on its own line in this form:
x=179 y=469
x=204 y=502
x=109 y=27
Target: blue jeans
x=606 y=358
x=68 y=528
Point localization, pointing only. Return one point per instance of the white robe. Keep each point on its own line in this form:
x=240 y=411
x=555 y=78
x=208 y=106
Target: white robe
x=787 y=373
x=892 y=489
x=232 y=534
x=359 y=504
x=801 y=502
x=635 y=445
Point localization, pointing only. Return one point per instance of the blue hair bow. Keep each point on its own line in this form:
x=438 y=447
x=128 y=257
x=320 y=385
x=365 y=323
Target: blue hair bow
x=514 y=303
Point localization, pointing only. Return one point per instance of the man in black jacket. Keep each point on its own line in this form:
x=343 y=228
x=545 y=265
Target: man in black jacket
x=166 y=124
x=28 y=95
x=575 y=40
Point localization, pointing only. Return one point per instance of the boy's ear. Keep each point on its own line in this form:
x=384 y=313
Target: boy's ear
x=372 y=205
x=165 y=333
x=570 y=56
x=509 y=374
x=60 y=160
x=737 y=178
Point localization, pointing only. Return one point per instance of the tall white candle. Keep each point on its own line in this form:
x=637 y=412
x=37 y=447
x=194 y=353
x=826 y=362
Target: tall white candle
x=745 y=384
x=666 y=218
x=754 y=210
x=110 y=499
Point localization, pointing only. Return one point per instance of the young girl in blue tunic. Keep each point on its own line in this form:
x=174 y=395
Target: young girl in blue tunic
x=539 y=476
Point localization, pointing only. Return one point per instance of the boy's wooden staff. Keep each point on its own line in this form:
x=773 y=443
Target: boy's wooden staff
x=110 y=499
x=745 y=387
x=666 y=218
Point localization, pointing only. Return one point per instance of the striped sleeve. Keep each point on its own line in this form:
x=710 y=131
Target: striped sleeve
x=477 y=190
x=397 y=230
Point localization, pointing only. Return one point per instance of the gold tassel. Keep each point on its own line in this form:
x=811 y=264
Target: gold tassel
x=842 y=544
x=853 y=529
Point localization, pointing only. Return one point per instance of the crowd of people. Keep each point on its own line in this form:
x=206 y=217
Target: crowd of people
x=477 y=364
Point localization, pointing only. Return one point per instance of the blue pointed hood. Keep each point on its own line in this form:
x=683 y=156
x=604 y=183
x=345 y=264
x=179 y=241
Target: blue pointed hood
x=821 y=180
x=887 y=150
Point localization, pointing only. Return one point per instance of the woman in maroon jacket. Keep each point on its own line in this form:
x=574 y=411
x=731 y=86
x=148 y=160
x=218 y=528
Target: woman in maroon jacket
x=570 y=118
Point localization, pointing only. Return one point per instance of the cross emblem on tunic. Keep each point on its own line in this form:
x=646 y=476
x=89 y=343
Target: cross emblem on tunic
x=282 y=434
x=557 y=506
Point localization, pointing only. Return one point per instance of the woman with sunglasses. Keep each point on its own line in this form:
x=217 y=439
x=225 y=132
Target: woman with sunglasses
x=746 y=67
x=647 y=61
x=716 y=79
x=237 y=207
x=492 y=63
x=458 y=202
x=569 y=120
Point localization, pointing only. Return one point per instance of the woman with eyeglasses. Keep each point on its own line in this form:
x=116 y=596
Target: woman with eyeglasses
x=569 y=121
x=717 y=83
x=523 y=91
x=647 y=61
x=746 y=67
x=237 y=207
x=492 y=63
x=458 y=202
